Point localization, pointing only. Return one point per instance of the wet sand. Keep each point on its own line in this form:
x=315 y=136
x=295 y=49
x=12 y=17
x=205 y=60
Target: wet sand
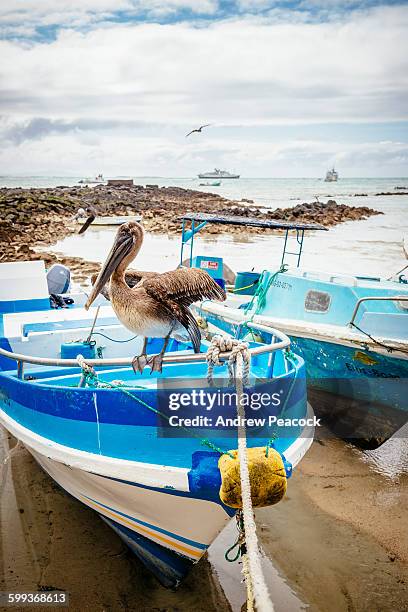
x=337 y=542
x=49 y=539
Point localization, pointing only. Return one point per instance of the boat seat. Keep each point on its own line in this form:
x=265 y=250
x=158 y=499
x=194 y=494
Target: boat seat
x=65 y=325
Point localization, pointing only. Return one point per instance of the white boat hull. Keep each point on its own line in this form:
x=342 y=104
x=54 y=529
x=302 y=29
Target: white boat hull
x=149 y=506
x=114 y=220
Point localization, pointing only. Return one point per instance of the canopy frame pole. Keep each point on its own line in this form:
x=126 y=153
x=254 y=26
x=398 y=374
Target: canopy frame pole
x=187 y=236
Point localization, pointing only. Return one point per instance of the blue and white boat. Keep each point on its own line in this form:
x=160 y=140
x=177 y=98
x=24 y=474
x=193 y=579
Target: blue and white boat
x=352 y=331
x=99 y=435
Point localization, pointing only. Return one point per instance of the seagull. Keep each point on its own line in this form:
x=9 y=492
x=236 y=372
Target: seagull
x=198 y=130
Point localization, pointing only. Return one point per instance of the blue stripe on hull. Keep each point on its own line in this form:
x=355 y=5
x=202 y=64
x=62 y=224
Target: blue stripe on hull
x=168 y=567
x=7 y=306
x=135 y=443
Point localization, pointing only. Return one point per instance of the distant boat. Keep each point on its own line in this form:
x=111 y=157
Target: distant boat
x=331 y=176
x=113 y=220
x=218 y=174
x=96 y=180
x=211 y=184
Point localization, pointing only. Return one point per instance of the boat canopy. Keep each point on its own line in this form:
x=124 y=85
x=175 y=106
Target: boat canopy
x=252 y=222
x=199 y=221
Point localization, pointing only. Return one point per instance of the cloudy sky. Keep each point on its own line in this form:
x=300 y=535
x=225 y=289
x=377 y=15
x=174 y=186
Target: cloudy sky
x=289 y=86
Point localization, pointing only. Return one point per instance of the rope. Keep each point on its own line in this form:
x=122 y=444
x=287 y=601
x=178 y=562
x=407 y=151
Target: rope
x=262 y=290
x=93 y=324
x=90 y=378
x=257 y=590
x=113 y=339
x=396 y=273
x=390 y=349
x=223 y=344
x=247 y=287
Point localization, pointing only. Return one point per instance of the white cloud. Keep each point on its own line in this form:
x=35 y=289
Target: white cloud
x=158 y=80
x=79 y=13
x=240 y=71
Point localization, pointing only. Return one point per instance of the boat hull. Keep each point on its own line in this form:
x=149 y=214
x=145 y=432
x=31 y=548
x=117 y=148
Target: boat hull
x=160 y=495
x=216 y=176
x=149 y=520
x=360 y=395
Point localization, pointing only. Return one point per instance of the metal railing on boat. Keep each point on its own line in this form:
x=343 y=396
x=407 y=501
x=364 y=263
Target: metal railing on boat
x=278 y=342
x=376 y=298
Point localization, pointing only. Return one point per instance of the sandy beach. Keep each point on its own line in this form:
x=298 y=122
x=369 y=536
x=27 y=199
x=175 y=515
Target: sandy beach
x=337 y=542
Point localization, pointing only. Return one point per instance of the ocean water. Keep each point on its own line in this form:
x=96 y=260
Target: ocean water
x=368 y=247
x=271 y=192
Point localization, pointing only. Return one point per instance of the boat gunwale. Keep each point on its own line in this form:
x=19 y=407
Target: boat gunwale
x=115 y=467
x=328 y=332
x=284 y=342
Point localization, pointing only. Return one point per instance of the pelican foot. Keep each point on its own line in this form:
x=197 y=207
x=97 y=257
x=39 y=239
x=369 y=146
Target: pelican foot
x=156 y=363
x=139 y=363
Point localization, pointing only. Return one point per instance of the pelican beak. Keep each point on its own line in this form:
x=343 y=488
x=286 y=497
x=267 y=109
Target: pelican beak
x=121 y=247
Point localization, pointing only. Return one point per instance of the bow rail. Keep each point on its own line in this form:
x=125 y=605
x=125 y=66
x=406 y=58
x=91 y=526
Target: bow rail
x=376 y=298
x=278 y=342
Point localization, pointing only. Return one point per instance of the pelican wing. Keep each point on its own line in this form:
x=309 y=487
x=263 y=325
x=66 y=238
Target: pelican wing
x=133 y=277
x=178 y=289
x=184 y=285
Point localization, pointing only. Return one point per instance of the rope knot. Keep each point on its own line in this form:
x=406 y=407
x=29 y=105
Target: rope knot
x=88 y=373
x=239 y=354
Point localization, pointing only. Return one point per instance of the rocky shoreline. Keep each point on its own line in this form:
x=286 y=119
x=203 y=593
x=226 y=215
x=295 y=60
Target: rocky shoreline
x=31 y=218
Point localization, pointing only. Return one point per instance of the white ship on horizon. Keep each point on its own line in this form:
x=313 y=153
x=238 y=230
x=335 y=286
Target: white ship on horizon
x=331 y=176
x=98 y=179
x=218 y=174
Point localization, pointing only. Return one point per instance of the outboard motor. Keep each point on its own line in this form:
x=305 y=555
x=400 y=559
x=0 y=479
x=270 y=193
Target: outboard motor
x=58 y=279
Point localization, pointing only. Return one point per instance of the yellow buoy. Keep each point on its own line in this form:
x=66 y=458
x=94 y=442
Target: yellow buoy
x=266 y=474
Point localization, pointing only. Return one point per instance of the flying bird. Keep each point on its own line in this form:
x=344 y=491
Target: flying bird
x=158 y=305
x=199 y=130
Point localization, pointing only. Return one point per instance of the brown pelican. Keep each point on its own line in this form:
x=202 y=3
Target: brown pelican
x=92 y=214
x=156 y=307
x=199 y=130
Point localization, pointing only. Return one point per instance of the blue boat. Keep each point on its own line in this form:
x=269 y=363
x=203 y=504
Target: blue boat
x=352 y=331
x=69 y=394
